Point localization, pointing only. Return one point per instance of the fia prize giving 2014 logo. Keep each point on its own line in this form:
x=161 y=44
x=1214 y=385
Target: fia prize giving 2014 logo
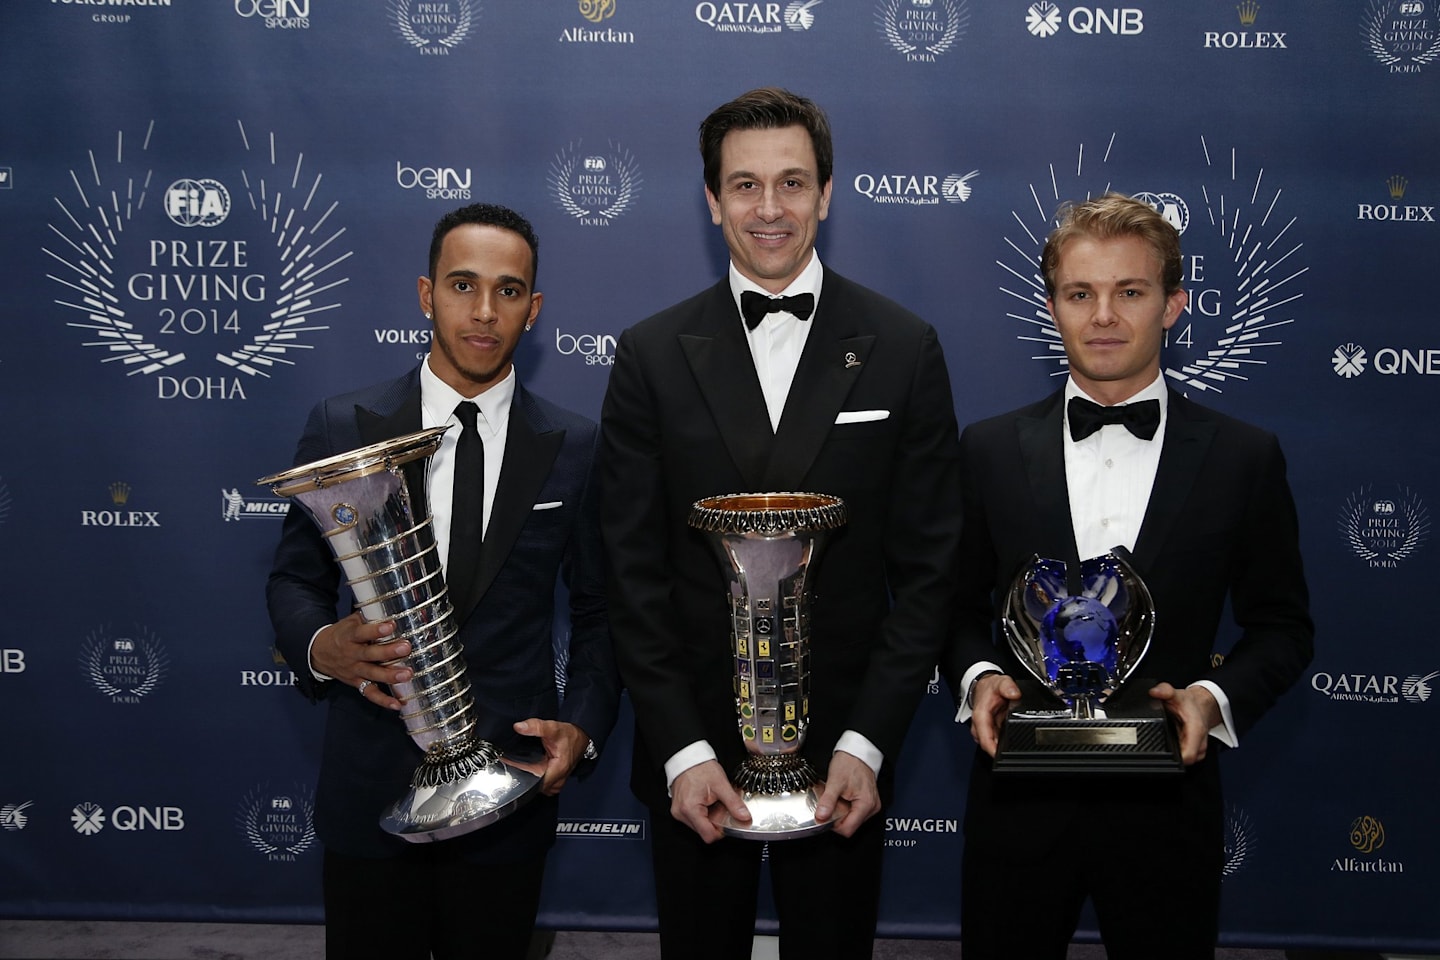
x=200 y=283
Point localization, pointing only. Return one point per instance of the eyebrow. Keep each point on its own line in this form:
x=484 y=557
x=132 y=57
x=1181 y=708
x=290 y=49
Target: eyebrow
x=789 y=172
x=1123 y=282
x=505 y=278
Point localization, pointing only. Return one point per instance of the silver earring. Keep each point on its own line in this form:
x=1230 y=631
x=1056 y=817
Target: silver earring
x=427 y=314
x=527 y=326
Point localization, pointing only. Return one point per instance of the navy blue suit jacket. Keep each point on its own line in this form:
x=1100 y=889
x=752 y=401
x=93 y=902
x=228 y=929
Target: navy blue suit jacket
x=368 y=757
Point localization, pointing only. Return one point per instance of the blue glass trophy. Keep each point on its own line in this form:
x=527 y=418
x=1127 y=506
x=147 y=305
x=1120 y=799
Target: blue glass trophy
x=1082 y=645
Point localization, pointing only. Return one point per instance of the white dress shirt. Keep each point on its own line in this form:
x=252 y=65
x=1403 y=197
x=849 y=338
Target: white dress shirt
x=775 y=345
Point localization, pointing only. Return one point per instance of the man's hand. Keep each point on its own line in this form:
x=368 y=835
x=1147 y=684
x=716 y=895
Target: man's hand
x=991 y=698
x=701 y=797
x=350 y=652
x=564 y=747
x=1196 y=712
x=850 y=795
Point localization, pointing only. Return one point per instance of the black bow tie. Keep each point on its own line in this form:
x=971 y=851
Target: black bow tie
x=756 y=306
x=1142 y=419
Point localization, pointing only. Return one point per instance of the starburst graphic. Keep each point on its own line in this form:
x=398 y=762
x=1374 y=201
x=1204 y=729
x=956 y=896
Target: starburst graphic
x=1241 y=212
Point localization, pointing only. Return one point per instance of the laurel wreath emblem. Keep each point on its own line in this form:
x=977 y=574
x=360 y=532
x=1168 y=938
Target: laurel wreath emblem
x=1373 y=28
x=957 y=16
x=92 y=660
x=464 y=15
x=248 y=820
x=627 y=173
x=1413 y=513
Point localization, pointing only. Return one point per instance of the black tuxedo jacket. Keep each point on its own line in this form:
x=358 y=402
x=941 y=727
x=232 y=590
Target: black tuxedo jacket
x=368 y=757
x=684 y=418
x=1220 y=521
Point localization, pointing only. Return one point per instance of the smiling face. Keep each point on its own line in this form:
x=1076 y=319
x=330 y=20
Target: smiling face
x=480 y=303
x=1112 y=312
x=770 y=203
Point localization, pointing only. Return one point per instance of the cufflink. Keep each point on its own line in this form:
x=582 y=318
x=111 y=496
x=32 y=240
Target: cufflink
x=591 y=753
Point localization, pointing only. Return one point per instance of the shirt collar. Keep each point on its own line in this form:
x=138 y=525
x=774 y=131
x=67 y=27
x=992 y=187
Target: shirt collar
x=438 y=399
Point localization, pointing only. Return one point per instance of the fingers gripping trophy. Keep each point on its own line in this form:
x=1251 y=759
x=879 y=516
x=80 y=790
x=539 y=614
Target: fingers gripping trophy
x=767 y=544
x=374 y=525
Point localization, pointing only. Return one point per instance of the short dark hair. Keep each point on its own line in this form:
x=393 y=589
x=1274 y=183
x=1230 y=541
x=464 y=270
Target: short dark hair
x=486 y=215
x=766 y=108
x=1109 y=216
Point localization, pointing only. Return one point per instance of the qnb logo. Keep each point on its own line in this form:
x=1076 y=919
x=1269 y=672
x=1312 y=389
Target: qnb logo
x=1044 y=20
x=89 y=819
x=598 y=349
x=1349 y=360
x=197 y=203
x=277 y=14
x=439 y=183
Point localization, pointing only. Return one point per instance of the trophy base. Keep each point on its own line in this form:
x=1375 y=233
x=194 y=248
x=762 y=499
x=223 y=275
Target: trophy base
x=1050 y=741
x=457 y=790
x=789 y=815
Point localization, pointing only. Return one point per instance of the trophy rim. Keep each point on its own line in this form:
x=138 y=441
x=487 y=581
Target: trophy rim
x=768 y=513
x=354 y=464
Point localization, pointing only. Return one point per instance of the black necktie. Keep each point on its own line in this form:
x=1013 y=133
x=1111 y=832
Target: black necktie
x=1142 y=419
x=467 y=508
x=756 y=306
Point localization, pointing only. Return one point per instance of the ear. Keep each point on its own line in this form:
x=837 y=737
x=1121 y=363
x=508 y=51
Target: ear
x=536 y=299
x=714 y=207
x=825 y=198
x=423 y=289
x=1174 y=306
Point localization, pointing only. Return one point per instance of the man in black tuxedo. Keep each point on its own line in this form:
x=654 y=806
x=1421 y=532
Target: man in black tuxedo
x=1201 y=502
x=829 y=389
x=475 y=895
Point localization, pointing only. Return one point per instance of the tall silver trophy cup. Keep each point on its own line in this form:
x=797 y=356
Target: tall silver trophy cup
x=1082 y=647
x=386 y=550
x=767 y=544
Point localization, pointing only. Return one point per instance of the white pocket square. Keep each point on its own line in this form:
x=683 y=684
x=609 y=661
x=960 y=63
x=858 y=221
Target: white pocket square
x=861 y=416
x=548 y=505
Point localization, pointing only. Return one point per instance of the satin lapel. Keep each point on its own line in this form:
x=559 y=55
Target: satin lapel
x=1042 y=448
x=531 y=446
x=376 y=427
x=828 y=369
x=1187 y=441
x=725 y=373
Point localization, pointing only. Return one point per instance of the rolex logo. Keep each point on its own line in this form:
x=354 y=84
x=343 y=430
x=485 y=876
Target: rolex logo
x=1248 y=10
x=1396 y=185
x=119 y=492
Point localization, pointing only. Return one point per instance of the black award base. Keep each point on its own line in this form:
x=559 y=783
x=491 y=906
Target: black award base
x=1140 y=739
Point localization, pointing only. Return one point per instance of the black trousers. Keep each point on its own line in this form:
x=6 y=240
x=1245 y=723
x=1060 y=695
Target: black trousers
x=827 y=892
x=429 y=903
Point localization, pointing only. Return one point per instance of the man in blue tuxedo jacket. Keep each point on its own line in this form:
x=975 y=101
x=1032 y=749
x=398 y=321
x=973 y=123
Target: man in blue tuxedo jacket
x=827 y=388
x=474 y=895
x=1201 y=502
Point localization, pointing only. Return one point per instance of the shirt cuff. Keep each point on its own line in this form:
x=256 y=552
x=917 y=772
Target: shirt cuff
x=963 y=711
x=686 y=757
x=313 y=672
x=860 y=747
x=1224 y=731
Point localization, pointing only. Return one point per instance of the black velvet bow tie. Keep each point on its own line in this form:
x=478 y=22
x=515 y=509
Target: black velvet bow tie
x=1142 y=419
x=756 y=306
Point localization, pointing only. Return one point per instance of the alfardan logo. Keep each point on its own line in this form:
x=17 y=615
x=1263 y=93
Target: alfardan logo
x=1367 y=837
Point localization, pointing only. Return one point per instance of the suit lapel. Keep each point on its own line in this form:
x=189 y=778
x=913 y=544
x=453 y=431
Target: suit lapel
x=831 y=362
x=719 y=358
x=1042 y=452
x=531 y=446
x=376 y=426
x=1187 y=440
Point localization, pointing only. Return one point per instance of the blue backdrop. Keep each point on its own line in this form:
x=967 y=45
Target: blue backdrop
x=214 y=213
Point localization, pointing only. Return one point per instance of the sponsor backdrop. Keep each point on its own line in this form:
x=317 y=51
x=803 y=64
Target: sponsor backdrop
x=214 y=213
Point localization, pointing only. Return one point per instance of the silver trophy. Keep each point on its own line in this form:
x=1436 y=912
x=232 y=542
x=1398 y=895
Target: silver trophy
x=386 y=551
x=1082 y=647
x=767 y=543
